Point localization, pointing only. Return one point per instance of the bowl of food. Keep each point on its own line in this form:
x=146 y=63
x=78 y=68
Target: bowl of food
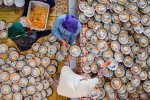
x=38 y=14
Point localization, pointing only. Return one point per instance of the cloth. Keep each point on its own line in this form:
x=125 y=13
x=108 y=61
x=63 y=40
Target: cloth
x=62 y=33
x=71 y=85
x=50 y=2
x=25 y=43
x=16 y=30
x=70 y=23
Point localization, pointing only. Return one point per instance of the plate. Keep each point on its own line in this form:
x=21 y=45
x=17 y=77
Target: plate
x=14 y=55
x=133 y=8
x=102 y=45
x=112 y=36
x=102 y=93
x=120 y=71
x=100 y=8
x=35 y=46
x=89 y=11
x=136 y=69
x=146 y=86
x=108 y=73
x=90 y=2
x=89 y=46
x=43 y=49
x=96 y=26
x=2 y=25
x=59 y=56
x=124 y=79
x=122 y=89
x=3 y=48
x=94 y=39
x=142 y=54
x=90 y=57
x=146 y=9
x=128 y=61
x=148 y=61
x=123 y=38
x=107 y=54
x=143 y=41
x=142 y=3
x=51 y=38
x=91 y=23
x=5 y=89
x=143 y=75
x=101 y=33
x=135 y=48
x=119 y=56
x=98 y=17
x=57 y=44
x=113 y=65
x=131 y=41
x=106 y=18
x=108 y=88
x=99 y=61
x=75 y=50
x=94 y=68
x=52 y=49
x=117 y=8
x=115 y=46
x=139 y=28
x=64 y=50
x=125 y=49
x=115 y=18
x=130 y=88
x=86 y=68
x=89 y=33
x=135 y=18
x=3 y=34
x=54 y=62
x=135 y=81
x=122 y=2
x=83 y=5
x=124 y=16
x=147 y=31
x=83 y=19
x=51 y=69
x=145 y=20
x=116 y=83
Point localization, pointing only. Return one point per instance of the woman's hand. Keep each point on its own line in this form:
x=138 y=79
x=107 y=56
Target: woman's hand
x=29 y=23
x=65 y=43
x=69 y=57
x=106 y=64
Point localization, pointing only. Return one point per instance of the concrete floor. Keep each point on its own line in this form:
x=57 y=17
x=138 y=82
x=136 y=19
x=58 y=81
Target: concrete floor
x=72 y=11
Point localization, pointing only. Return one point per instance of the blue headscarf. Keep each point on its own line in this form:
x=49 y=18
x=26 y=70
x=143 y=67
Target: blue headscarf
x=70 y=23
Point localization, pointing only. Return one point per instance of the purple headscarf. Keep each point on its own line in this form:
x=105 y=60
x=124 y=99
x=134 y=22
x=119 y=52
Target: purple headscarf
x=70 y=23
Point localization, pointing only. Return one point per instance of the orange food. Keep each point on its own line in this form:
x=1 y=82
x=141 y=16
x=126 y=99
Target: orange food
x=38 y=16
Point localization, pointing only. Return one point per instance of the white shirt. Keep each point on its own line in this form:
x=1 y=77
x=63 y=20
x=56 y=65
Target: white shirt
x=71 y=85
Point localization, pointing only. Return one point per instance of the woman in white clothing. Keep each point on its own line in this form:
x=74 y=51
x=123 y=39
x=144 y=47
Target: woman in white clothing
x=73 y=85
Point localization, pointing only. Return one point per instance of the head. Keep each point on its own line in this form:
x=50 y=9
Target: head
x=23 y=22
x=70 y=23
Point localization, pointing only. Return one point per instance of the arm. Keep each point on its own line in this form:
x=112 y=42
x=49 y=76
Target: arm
x=55 y=29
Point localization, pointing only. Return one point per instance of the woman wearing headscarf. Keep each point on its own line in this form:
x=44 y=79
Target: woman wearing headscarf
x=73 y=85
x=23 y=35
x=66 y=29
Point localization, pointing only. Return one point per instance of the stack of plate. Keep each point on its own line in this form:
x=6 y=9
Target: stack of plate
x=118 y=30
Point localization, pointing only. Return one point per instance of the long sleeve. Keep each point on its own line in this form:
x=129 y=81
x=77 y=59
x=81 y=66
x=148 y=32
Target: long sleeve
x=74 y=36
x=55 y=30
